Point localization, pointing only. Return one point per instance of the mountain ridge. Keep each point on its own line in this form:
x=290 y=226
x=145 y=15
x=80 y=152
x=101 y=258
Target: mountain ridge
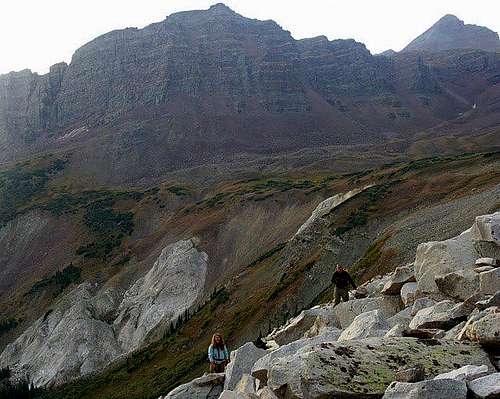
x=212 y=86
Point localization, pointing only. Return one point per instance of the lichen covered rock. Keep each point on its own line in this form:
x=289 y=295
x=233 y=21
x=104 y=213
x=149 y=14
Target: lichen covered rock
x=364 y=367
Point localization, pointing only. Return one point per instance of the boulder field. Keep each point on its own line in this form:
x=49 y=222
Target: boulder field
x=430 y=329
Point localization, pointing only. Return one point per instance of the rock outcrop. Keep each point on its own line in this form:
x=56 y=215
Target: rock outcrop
x=78 y=335
x=171 y=286
x=70 y=341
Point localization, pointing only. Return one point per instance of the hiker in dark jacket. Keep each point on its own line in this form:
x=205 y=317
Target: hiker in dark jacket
x=218 y=355
x=342 y=280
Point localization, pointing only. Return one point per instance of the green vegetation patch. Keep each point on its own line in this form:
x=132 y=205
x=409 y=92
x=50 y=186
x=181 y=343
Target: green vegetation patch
x=178 y=190
x=433 y=161
x=19 y=186
x=7 y=325
x=60 y=280
x=284 y=185
x=288 y=278
x=371 y=256
x=273 y=251
x=360 y=216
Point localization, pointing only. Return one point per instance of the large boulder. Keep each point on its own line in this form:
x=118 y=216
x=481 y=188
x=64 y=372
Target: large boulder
x=402 y=318
x=489 y=281
x=364 y=368
x=484 y=327
x=421 y=303
x=436 y=316
x=429 y=389
x=459 y=284
x=208 y=386
x=266 y=393
x=489 y=301
x=487 y=228
x=345 y=312
x=408 y=293
x=227 y=394
x=486 y=235
x=487 y=387
x=397 y=279
x=242 y=361
x=261 y=367
x=322 y=326
x=373 y=287
x=454 y=332
x=437 y=258
x=299 y=325
x=396 y=331
x=466 y=373
x=487 y=262
x=247 y=384
x=369 y=324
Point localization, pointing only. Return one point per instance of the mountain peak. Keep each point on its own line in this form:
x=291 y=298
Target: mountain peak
x=221 y=7
x=450 y=18
x=450 y=32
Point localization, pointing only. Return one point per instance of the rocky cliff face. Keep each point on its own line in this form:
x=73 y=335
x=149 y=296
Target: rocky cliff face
x=450 y=33
x=205 y=86
x=90 y=327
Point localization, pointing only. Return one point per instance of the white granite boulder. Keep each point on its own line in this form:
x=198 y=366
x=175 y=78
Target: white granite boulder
x=487 y=262
x=364 y=368
x=484 y=327
x=459 y=284
x=408 y=293
x=487 y=387
x=442 y=257
x=261 y=367
x=436 y=316
x=369 y=324
x=299 y=325
x=400 y=276
x=242 y=361
x=487 y=228
x=489 y=281
x=388 y=305
x=207 y=386
x=465 y=373
x=428 y=389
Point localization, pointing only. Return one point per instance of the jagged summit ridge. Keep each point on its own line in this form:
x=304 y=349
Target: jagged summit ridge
x=450 y=33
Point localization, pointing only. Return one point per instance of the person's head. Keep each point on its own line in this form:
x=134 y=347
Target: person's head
x=217 y=340
x=339 y=268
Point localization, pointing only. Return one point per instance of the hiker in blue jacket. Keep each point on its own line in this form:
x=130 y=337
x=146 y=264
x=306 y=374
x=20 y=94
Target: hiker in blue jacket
x=218 y=355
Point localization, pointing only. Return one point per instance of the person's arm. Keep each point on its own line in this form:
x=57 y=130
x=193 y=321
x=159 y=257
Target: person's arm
x=210 y=354
x=226 y=354
x=334 y=277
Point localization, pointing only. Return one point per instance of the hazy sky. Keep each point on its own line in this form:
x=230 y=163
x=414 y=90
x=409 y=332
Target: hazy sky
x=38 y=33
